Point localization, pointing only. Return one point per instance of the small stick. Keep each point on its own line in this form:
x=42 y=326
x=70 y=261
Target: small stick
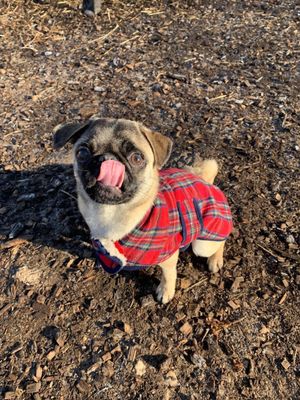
x=196 y=284
x=68 y=194
x=267 y=250
x=283 y=253
x=106 y=35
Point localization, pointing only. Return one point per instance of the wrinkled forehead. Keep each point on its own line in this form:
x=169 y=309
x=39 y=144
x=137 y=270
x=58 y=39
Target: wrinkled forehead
x=114 y=132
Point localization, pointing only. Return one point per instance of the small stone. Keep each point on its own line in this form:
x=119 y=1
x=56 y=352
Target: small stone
x=286 y=365
x=185 y=283
x=198 y=360
x=83 y=387
x=186 y=328
x=290 y=239
x=51 y=355
x=26 y=197
x=48 y=53
x=171 y=379
x=127 y=329
x=147 y=301
x=264 y=329
x=140 y=368
x=38 y=372
x=33 y=387
x=99 y=89
x=277 y=196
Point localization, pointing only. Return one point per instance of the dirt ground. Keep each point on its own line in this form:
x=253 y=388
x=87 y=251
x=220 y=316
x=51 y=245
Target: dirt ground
x=221 y=79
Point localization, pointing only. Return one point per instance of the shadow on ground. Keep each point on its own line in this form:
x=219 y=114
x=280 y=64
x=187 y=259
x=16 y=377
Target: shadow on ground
x=40 y=205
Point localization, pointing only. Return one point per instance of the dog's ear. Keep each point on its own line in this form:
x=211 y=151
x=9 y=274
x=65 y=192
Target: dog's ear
x=68 y=132
x=161 y=145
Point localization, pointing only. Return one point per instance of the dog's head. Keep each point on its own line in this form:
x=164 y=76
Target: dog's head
x=115 y=160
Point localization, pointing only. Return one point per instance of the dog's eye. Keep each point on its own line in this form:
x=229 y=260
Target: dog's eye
x=136 y=159
x=83 y=154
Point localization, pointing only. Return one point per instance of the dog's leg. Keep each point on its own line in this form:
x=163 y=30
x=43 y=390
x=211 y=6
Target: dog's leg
x=212 y=250
x=166 y=289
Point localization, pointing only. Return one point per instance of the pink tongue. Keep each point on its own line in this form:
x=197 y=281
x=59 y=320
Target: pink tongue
x=111 y=173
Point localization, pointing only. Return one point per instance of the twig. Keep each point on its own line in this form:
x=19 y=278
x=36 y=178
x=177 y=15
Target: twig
x=196 y=284
x=5 y=308
x=68 y=194
x=106 y=35
x=234 y=322
x=267 y=250
x=178 y=77
x=129 y=40
x=217 y=98
x=281 y=252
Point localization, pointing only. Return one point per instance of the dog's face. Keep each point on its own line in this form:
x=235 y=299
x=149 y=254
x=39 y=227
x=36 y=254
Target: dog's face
x=115 y=161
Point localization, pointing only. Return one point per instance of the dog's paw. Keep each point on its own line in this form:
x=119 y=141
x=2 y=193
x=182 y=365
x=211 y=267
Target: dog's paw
x=164 y=293
x=215 y=263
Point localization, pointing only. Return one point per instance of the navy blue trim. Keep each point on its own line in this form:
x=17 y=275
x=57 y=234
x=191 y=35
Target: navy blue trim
x=182 y=222
x=100 y=249
x=198 y=213
x=184 y=248
x=111 y=271
x=214 y=240
x=132 y=268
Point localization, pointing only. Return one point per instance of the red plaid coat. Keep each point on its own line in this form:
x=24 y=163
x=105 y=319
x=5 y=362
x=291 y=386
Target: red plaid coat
x=186 y=208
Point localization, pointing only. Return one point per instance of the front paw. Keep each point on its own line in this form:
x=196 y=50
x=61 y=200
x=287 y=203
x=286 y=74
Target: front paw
x=164 y=292
x=215 y=263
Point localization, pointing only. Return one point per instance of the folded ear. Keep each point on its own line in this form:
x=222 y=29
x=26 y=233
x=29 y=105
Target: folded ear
x=67 y=132
x=161 y=145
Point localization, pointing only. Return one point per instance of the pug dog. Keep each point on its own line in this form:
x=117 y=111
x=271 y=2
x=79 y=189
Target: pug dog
x=140 y=215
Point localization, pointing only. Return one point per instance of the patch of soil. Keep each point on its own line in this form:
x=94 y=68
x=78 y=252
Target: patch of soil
x=218 y=77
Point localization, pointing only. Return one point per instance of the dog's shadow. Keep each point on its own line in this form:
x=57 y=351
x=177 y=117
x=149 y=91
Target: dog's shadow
x=40 y=205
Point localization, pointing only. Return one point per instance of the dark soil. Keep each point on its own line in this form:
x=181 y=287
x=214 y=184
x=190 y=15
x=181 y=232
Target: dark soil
x=221 y=79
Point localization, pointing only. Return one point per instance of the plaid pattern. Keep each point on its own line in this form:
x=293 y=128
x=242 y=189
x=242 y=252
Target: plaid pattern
x=186 y=208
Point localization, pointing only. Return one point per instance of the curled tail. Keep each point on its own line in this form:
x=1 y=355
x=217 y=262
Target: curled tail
x=205 y=169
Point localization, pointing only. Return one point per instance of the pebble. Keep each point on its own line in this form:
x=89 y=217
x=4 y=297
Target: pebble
x=290 y=239
x=171 y=379
x=140 y=368
x=51 y=355
x=147 y=301
x=33 y=387
x=198 y=360
x=83 y=387
x=99 y=89
x=48 y=53
x=26 y=197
